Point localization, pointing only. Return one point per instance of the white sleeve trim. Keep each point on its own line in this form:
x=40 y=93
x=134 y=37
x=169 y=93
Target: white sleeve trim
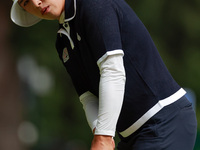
x=90 y=106
x=109 y=53
x=111 y=93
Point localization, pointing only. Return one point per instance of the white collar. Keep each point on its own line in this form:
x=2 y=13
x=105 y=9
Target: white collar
x=68 y=19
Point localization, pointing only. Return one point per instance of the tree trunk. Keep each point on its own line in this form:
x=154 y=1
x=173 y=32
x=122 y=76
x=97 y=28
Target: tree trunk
x=10 y=99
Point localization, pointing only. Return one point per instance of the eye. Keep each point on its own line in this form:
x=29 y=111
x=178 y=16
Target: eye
x=26 y=2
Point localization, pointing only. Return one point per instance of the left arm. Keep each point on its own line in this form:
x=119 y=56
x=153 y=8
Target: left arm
x=111 y=93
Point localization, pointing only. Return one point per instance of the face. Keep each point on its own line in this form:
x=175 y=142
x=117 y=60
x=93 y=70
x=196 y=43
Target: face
x=44 y=9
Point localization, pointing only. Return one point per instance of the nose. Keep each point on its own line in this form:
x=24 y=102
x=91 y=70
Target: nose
x=37 y=3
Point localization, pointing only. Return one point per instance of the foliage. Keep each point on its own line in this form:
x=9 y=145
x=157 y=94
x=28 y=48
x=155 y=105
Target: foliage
x=175 y=29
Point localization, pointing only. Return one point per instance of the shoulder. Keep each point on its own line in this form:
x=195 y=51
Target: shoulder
x=95 y=11
x=94 y=6
x=93 y=3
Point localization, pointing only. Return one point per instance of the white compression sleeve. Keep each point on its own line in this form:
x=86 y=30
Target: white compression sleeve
x=90 y=106
x=111 y=93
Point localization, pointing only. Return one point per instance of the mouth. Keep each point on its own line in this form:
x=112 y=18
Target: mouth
x=44 y=10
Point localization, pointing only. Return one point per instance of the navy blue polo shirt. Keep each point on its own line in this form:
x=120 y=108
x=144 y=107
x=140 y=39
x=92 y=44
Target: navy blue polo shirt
x=100 y=26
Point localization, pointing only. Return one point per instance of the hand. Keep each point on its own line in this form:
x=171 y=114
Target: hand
x=102 y=142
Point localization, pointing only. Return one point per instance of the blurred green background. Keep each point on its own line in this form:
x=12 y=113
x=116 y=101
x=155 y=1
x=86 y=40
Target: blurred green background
x=39 y=108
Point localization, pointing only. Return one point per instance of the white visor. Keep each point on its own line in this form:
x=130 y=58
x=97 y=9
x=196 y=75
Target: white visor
x=21 y=17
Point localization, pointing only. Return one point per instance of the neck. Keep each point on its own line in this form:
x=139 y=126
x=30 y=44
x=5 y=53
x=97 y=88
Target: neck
x=62 y=17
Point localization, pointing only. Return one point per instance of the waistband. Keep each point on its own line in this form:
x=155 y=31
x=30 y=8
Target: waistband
x=151 y=112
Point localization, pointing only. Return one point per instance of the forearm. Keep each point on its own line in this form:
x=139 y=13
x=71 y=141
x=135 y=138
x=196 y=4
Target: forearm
x=111 y=93
x=102 y=114
x=90 y=106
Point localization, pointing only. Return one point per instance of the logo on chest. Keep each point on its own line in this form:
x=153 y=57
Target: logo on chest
x=65 y=55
